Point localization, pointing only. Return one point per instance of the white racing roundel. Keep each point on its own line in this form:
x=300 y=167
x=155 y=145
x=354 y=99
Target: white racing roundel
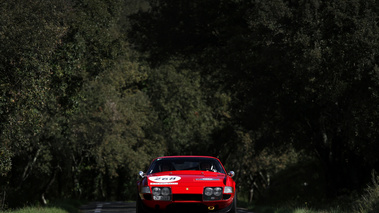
x=164 y=179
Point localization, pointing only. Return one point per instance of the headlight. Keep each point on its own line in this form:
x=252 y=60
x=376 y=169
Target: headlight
x=212 y=193
x=208 y=191
x=161 y=193
x=228 y=190
x=145 y=190
x=166 y=191
x=156 y=191
x=217 y=191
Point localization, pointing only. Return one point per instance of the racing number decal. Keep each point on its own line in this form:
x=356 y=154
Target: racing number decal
x=165 y=179
x=161 y=179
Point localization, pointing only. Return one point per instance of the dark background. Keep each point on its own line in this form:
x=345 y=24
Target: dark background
x=284 y=92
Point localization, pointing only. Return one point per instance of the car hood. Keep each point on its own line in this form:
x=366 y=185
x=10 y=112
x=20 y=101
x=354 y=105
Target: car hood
x=186 y=178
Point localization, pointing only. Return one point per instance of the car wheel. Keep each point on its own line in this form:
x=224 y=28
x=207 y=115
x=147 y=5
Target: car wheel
x=234 y=205
x=139 y=206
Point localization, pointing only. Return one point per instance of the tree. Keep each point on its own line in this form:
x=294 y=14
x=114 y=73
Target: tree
x=113 y=132
x=30 y=34
x=299 y=73
x=52 y=57
x=186 y=119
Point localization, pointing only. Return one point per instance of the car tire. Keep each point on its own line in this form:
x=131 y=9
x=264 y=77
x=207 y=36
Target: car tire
x=234 y=205
x=139 y=206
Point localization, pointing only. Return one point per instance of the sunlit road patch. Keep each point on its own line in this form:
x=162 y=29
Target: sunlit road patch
x=118 y=207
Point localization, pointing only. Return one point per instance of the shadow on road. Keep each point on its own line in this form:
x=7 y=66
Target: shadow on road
x=118 y=207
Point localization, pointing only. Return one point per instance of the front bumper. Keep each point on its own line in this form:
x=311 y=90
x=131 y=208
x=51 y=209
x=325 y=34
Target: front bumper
x=222 y=206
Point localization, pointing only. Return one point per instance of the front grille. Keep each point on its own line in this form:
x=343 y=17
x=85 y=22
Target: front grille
x=147 y=196
x=187 y=197
x=226 y=196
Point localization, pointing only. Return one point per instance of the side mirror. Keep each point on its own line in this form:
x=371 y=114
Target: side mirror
x=142 y=174
x=231 y=174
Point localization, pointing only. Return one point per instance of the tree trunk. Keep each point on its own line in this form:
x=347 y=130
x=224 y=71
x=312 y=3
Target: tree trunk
x=48 y=185
x=28 y=169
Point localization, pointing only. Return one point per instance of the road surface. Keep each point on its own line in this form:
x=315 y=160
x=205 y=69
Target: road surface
x=118 y=207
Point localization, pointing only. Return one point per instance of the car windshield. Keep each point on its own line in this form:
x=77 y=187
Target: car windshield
x=186 y=163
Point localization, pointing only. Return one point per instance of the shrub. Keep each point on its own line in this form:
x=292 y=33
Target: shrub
x=369 y=202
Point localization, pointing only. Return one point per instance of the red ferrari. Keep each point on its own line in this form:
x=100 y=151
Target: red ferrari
x=181 y=183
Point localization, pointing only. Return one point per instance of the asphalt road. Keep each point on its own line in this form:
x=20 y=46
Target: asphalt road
x=118 y=207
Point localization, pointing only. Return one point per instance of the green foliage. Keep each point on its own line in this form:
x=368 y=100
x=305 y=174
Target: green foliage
x=30 y=35
x=5 y=160
x=369 y=201
x=37 y=209
x=115 y=121
x=53 y=55
x=57 y=206
x=187 y=121
x=92 y=90
x=299 y=74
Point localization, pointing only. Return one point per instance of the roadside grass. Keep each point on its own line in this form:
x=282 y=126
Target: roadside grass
x=57 y=206
x=256 y=208
x=37 y=210
x=365 y=201
x=369 y=201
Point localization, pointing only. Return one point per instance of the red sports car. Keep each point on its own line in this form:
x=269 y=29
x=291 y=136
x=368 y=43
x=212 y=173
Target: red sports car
x=179 y=183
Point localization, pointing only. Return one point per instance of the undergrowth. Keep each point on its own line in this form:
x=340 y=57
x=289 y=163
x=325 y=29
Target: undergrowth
x=58 y=206
x=369 y=202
